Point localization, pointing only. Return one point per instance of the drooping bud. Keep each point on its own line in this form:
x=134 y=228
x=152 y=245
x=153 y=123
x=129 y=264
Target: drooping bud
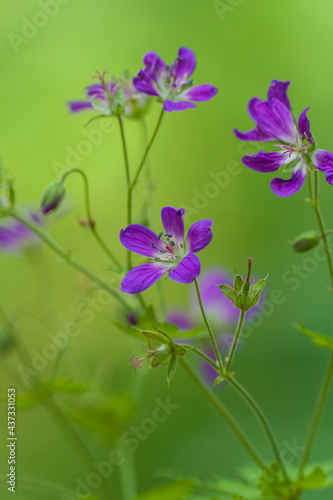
x=306 y=241
x=52 y=197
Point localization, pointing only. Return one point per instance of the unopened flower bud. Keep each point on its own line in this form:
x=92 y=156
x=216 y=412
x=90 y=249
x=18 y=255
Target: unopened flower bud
x=306 y=241
x=53 y=197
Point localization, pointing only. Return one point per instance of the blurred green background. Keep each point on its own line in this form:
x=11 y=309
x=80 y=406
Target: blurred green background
x=239 y=51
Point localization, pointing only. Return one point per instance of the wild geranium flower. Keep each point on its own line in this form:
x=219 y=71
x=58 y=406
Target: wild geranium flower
x=173 y=83
x=111 y=97
x=15 y=237
x=274 y=122
x=169 y=252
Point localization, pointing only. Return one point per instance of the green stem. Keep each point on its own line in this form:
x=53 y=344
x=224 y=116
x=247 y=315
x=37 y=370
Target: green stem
x=316 y=417
x=72 y=262
x=91 y=222
x=211 y=396
x=314 y=199
x=263 y=420
x=128 y=183
x=149 y=145
x=235 y=340
x=209 y=330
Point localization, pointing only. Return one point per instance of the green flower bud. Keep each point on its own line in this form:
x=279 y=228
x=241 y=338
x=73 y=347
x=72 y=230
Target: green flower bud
x=53 y=197
x=306 y=241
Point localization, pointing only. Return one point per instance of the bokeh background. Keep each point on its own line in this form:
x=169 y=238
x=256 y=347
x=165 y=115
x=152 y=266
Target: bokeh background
x=239 y=49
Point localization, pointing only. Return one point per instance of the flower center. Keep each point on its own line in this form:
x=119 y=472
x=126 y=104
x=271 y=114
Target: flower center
x=171 y=250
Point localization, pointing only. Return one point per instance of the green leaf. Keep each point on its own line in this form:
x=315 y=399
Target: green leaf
x=106 y=417
x=318 y=338
x=66 y=385
x=178 y=490
x=314 y=481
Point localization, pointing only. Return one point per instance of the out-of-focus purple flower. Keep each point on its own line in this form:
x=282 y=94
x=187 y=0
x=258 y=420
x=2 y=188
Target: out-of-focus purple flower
x=112 y=97
x=173 y=84
x=323 y=160
x=169 y=253
x=274 y=122
x=15 y=237
x=181 y=318
x=219 y=309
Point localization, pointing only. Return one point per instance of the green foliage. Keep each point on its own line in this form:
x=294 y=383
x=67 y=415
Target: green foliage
x=319 y=339
x=177 y=490
x=106 y=417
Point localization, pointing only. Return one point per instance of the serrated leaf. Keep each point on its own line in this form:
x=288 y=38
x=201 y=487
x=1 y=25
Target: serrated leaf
x=319 y=339
x=178 y=490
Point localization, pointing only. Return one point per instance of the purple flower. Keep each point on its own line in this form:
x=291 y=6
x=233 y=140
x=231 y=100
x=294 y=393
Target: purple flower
x=173 y=83
x=274 y=122
x=15 y=237
x=323 y=160
x=170 y=253
x=112 y=97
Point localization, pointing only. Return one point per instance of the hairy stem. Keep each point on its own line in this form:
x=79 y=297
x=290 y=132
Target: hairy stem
x=235 y=340
x=128 y=183
x=149 y=145
x=209 y=330
x=314 y=200
x=316 y=416
x=214 y=400
x=65 y=255
x=263 y=420
x=91 y=223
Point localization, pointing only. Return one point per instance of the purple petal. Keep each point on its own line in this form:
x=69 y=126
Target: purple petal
x=187 y=270
x=285 y=188
x=184 y=65
x=275 y=120
x=141 y=240
x=172 y=220
x=200 y=93
x=278 y=90
x=304 y=126
x=77 y=106
x=142 y=277
x=95 y=89
x=266 y=162
x=199 y=235
x=323 y=160
x=253 y=135
x=143 y=86
x=177 y=106
x=154 y=64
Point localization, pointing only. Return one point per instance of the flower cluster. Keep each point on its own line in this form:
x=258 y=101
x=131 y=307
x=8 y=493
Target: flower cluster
x=275 y=122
